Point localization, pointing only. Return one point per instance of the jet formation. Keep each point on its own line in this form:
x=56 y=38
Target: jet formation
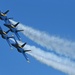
x=12 y=28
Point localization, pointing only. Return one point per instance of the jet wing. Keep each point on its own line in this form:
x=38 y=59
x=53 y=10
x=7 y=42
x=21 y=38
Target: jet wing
x=7 y=25
x=26 y=57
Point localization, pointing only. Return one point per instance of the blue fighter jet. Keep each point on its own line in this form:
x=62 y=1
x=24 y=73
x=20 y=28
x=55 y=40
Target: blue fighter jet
x=5 y=36
x=3 y=16
x=13 y=29
x=20 y=49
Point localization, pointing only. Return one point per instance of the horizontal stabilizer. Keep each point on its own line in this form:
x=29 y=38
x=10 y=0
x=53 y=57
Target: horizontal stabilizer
x=19 y=30
x=27 y=51
x=10 y=18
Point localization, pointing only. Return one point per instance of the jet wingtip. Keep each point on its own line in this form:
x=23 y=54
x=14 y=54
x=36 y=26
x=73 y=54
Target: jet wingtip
x=28 y=61
x=11 y=48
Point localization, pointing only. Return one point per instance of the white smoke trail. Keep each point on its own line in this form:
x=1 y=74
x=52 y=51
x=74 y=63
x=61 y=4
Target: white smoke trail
x=60 y=46
x=50 y=59
x=62 y=64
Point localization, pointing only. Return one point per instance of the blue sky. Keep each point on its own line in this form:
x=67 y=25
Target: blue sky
x=54 y=17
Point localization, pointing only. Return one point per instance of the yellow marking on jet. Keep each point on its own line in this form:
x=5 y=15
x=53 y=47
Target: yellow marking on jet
x=4 y=32
x=20 y=46
x=13 y=26
x=3 y=14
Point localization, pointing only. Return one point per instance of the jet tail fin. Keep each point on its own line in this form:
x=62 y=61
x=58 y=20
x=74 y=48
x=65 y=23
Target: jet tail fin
x=7 y=31
x=16 y=24
x=23 y=44
x=6 y=12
